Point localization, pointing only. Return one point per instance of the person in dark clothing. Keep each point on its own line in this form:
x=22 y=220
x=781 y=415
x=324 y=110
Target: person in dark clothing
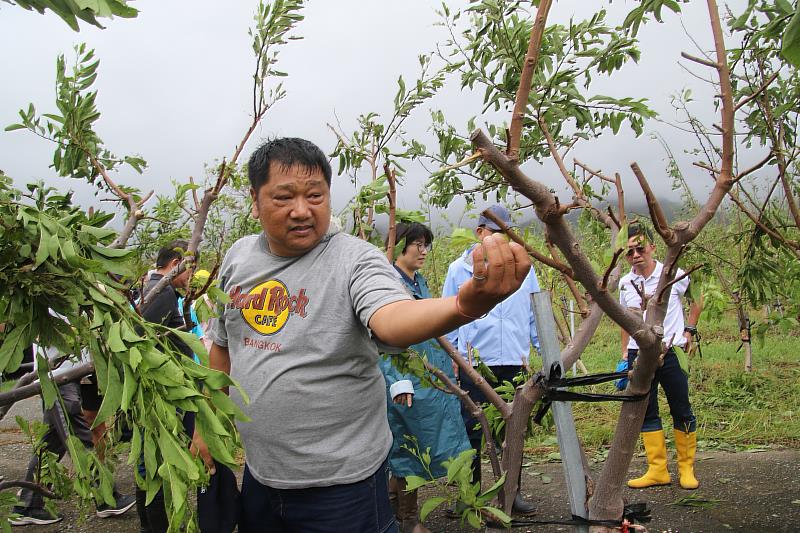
x=62 y=416
x=162 y=308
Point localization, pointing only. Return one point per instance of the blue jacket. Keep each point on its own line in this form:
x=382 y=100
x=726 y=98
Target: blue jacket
x=434 y=418
x=504 y=336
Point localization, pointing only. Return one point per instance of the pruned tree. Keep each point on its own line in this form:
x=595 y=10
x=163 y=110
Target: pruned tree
x=550 y=114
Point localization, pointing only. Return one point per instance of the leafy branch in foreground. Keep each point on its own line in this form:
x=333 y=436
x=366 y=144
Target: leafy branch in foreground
x=80 y=152
x=59 y=293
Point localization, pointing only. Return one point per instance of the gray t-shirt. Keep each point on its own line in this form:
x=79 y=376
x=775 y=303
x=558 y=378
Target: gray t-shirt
x=296 y=330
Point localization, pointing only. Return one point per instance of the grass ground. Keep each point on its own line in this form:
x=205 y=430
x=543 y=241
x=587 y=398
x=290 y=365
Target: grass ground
x=736 y=410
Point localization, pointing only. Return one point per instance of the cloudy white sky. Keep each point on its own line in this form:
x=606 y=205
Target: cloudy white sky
x=174 y=84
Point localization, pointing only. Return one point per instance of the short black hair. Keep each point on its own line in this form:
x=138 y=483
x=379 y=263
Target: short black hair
x=173 y=250
x=637 y=228
x=411 y=232
x=287 y=152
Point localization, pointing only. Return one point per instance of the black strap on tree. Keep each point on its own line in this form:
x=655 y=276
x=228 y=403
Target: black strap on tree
x=632 y=513
x=556 y=382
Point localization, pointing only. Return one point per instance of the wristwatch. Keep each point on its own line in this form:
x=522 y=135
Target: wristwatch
x=691 y=330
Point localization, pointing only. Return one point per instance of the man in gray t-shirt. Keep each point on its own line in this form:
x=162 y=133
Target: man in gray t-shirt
x=309 y=309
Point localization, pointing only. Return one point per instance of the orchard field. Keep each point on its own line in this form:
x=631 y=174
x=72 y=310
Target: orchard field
x=512 y=102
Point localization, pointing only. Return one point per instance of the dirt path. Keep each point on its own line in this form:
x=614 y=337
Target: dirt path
x=756 y=491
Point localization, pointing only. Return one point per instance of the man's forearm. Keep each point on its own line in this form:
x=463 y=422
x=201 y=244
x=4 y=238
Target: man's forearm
x=219 y=359
x=411 y=321
x=625 y=338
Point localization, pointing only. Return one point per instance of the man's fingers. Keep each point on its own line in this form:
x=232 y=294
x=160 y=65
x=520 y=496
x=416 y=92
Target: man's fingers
x=522 y=261
x=200 y=448
x=479 y=271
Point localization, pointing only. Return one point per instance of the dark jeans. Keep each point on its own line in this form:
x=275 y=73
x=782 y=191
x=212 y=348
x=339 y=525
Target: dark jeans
x=502 y=373
x=676 y=386
x=357 y=507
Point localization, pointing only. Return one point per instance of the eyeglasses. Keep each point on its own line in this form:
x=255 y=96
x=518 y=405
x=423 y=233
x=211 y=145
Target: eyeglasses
x=638 y=249
x=421 y=246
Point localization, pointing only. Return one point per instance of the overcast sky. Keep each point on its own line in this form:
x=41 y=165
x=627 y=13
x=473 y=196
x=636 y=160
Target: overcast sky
x=174 y=85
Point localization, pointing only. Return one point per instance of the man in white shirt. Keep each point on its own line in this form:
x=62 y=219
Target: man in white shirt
x=640 y=282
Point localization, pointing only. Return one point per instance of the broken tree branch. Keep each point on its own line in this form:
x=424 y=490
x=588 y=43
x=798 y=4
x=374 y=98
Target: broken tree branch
x=551 y=262
x=656 y=212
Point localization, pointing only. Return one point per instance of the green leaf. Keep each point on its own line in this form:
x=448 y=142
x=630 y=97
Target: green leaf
x=499 y=514
x=42 y=251
x=193 y=342
x=415 y=482
x=622 y=238
x=474 y=519
x=429 y=505
x=49 y=392
x=112 y=253
x=13 y=127
x=493 y=490
x=14 y=342
x=129 y=387
x=224 y=403
x=457 y=464
x=790 y=42
x=112 y=396
x=115 y=342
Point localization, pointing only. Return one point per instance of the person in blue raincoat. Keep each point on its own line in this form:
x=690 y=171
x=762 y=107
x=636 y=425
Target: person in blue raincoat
x=429 y=415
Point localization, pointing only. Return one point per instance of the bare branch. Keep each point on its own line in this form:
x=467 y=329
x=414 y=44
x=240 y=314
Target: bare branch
x=524 y=88
x=194 y=195
x=29 y=485
x=705 y=166
x=604 y=284
x=620 y=198
x=700 y=60
x=26 y=391
x=656 y=212
x=463 y=366
x=579 y=298
x=392 y=197
x=559 y=161
x=666 y=287
x=466 y=161
x=551 y=262
x=474 y=409
x=753 y=168
x=596 y=173
x=724 y=180
x=761 y=89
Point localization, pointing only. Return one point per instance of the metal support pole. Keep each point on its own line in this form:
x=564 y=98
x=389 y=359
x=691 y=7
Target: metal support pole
x=572 y=332
x=568 y=443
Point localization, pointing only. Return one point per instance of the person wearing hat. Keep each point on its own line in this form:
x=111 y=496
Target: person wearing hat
x=501 y=339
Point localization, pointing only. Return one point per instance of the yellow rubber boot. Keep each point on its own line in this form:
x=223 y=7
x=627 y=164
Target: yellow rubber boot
x=656 y=448
x=686 y=444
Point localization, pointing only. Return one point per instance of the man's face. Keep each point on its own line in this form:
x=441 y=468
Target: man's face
x=294 y=208
x=483 y=232
x=413 y=258
x=181 y=281
x=639 y=253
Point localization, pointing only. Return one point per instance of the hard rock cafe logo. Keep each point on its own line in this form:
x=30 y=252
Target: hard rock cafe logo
x=266 y=308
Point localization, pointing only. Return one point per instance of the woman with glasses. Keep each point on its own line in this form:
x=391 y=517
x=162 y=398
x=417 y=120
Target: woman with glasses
x=419 y=417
